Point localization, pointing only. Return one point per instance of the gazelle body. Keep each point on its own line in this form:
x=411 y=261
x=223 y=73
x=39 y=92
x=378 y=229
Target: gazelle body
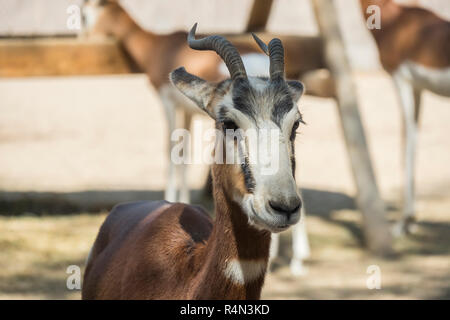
x=163 y=250
x=414 y=47
x=157 y=55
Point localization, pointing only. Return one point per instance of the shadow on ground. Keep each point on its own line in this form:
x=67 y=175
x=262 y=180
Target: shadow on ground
x=335 y=232
x=320 y=203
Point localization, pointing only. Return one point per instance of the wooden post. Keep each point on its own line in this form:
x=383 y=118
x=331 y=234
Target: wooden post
x=259 y=15
x=61 y=57
x=377 y=232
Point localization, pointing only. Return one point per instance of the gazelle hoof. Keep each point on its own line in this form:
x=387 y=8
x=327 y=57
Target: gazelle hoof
x=404 y=227
x=398 y=230
x=170 y=195
x=185 y=198
x=298 y=269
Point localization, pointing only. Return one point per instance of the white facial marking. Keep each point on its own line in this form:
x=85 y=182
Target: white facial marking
x=258 y=84
x=243 y=121
x=269 y=157
x=289 y=119
x=245 y=271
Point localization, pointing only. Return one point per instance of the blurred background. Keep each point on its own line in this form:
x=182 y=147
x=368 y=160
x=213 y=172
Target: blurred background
x=72 y=146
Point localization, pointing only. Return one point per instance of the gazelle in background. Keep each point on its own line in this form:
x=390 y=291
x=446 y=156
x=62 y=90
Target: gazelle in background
x=157 y=55
x=414 y=47
x=162 y=250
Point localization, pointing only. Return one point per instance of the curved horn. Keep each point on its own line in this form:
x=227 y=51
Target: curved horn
x=275 y=51
x=223 y=48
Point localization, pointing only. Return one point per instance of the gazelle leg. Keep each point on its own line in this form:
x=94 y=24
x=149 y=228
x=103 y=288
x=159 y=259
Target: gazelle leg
x=170 y=193
x=184 y=185
x=300 y=249
x=417 y=104
x=410 y=103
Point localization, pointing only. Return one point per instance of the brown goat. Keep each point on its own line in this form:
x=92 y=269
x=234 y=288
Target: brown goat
x=157 y=55
x=162 y=250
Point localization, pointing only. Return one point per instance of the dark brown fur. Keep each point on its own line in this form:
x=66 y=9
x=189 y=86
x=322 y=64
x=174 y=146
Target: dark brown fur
x=161 y=250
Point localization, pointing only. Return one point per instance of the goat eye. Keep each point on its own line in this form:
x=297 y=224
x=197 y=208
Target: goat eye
x=294 y=129
x=229 y=125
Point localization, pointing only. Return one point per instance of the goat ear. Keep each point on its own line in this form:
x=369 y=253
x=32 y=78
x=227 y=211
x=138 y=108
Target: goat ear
x=296 y=88
x=193 y=87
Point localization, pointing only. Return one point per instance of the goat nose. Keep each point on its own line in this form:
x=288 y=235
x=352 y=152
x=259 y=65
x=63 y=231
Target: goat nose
x=286 y=208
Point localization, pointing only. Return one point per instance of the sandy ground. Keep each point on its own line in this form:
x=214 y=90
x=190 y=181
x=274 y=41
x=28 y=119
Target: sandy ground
x=109 y=133
x=340 y=269
x=105 y=136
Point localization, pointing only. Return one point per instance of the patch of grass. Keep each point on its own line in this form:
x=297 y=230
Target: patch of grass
x=36 y=251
